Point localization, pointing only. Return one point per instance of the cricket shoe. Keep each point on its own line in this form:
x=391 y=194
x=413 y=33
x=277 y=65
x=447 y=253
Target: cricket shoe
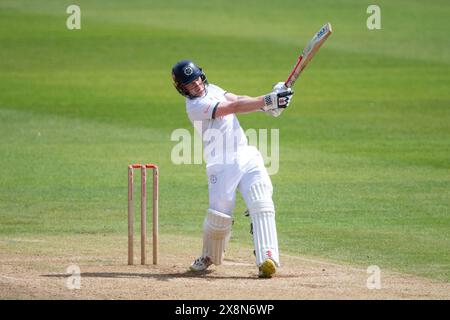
x=200 y=264
x=267 y=269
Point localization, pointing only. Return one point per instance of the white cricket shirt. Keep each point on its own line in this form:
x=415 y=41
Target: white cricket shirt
x=222 y=137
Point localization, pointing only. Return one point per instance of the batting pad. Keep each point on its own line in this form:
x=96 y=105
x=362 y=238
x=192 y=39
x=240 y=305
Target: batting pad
x=216 y=234
x=262 y=213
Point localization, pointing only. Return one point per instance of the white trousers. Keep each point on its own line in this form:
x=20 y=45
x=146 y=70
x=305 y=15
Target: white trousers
x=224 y=179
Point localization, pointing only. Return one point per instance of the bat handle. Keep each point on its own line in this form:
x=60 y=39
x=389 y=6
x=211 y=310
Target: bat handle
x=285 y=94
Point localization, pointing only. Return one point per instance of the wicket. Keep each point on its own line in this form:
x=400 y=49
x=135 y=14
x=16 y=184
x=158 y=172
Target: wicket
x=143 y=168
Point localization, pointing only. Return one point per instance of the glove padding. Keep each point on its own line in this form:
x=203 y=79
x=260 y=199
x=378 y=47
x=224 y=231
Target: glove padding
x=277 y=99
x=279 y=88
x=275 y=112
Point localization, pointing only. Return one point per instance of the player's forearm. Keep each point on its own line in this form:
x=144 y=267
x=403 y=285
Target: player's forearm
x=243 y=97
x=247 y=104
x=243 y=104
x=239 y=105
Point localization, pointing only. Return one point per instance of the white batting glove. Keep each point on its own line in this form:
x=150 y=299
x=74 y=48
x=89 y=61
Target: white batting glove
x=274 y=112
x=276 y=100
x=280 y=86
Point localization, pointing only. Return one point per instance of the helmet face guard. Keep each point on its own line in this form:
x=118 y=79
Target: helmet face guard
x=183 y=73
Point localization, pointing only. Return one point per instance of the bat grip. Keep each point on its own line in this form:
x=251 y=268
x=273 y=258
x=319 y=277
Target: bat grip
x=285 y=93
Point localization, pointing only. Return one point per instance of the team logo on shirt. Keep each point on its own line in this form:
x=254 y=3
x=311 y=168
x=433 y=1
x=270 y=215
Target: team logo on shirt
x=188 y=71
x=212 y=179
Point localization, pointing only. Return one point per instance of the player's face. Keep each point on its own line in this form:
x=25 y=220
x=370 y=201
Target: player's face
x=196 y=88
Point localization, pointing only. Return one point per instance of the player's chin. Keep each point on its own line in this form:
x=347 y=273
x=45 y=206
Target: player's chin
x=199 y=93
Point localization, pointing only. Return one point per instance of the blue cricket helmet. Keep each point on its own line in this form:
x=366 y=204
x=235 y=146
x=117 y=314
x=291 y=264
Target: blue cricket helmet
x=183 y=73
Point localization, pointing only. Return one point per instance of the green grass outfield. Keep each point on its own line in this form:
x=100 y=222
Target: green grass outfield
x=364 y=158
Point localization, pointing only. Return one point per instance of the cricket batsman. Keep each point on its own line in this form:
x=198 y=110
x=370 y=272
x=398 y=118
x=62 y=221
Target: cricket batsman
x=231 y=164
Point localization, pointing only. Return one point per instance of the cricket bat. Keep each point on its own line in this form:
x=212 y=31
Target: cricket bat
x=308 y=53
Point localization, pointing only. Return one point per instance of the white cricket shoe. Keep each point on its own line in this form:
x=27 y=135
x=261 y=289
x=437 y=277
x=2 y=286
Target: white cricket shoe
x=267 y=269
x=200 y=264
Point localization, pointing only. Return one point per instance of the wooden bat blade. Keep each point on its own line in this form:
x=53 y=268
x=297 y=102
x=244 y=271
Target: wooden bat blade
x=308 y=53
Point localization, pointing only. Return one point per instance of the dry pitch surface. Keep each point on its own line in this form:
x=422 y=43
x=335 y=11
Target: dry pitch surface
x=36 y=269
